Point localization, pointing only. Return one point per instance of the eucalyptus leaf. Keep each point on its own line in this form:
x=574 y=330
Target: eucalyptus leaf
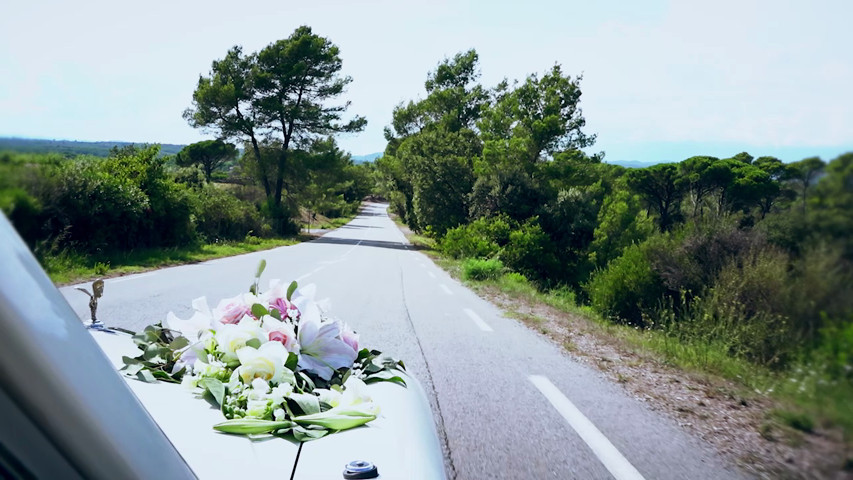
x=261 y=266
x=291 y=289
x=254 y=343
x=133 y=368
x=259 y=310
x=146 y=376
x=130 y=361
x=179 y=343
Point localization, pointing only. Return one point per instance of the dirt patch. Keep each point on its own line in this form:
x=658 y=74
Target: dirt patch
x=724 y=414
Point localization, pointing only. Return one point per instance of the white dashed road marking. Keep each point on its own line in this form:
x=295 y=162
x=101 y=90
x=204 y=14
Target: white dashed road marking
x=446 y=290
x=612 y=459
x=479 y=321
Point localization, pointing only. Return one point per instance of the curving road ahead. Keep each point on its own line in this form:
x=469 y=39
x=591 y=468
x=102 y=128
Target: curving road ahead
x=507 y=403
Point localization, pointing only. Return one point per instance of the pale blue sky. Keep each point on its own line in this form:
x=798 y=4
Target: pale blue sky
x=662 y=80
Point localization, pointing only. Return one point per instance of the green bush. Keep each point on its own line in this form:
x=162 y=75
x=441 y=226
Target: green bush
x=481 y=238
x=123 y=202
x=480 y=269
x=746 y=310
x=530 y=252
x=25 y=213
x=627 y=289
x=221 y=216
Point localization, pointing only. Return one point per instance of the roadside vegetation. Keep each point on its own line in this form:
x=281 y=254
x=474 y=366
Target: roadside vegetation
x=740 y=267
x=135 y=208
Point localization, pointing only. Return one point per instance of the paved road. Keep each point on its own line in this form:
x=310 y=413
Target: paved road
x=507 y=403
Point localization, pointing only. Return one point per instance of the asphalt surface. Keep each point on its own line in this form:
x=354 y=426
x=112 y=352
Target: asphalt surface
x=507 y=403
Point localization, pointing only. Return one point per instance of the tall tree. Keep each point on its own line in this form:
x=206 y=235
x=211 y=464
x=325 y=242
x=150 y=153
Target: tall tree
x=222 y=103
x=804 y=174
x=208 y=154
x=280 y=95
x=541 y=113
x=662 y=188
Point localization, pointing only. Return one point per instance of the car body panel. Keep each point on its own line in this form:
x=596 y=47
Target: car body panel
x=75 y=415
x=52 y=369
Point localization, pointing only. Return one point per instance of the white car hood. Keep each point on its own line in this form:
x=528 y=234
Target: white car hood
x=401 y=442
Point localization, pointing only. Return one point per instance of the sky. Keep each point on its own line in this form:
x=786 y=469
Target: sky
x=662 y=80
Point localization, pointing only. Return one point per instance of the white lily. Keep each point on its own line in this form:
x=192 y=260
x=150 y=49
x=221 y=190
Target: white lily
x=321 y=349
x=230 y=337
x=193 y=327
x=266 y=363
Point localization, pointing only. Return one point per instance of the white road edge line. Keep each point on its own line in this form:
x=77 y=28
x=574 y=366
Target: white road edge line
x=609 y=456
x=431 y=274
x=446 y=290
x=479 y=321
x=130 y=277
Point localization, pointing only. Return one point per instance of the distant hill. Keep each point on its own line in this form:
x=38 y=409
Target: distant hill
x=71 y=148
x=366 y=158
x=631 y=163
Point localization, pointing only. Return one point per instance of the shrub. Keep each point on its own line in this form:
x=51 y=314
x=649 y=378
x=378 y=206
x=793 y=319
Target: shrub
x=25 y=213
x=480 y=269
x=481 y=238
x=221 y=216
x=745 y=310
x=627 y=289
x=530 y=252
x=689 y=260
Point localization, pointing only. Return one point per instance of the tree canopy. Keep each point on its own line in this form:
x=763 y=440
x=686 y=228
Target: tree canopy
x=276 y=101
x=208 y=154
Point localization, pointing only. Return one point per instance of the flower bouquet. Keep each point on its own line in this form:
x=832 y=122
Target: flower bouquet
x=273 y=362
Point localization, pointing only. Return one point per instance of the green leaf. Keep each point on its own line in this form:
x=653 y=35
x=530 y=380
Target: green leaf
x=261 y=266
x=215 y=387
x=179 y=343
x=292 y=361
x=246 y=426
x=307 y=380
x=275 y=314
x=133 y=368
x=146 y=376
x=254 y=343
x=308 y=403
x=259 y=310
x=334 y=421
x=291 y=289
x=130 y=361
x=385 y=376
x=305 y=435
x=152 y=351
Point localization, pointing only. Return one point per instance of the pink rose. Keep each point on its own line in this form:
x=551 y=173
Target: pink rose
x=232 y=310
x=278 y=337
